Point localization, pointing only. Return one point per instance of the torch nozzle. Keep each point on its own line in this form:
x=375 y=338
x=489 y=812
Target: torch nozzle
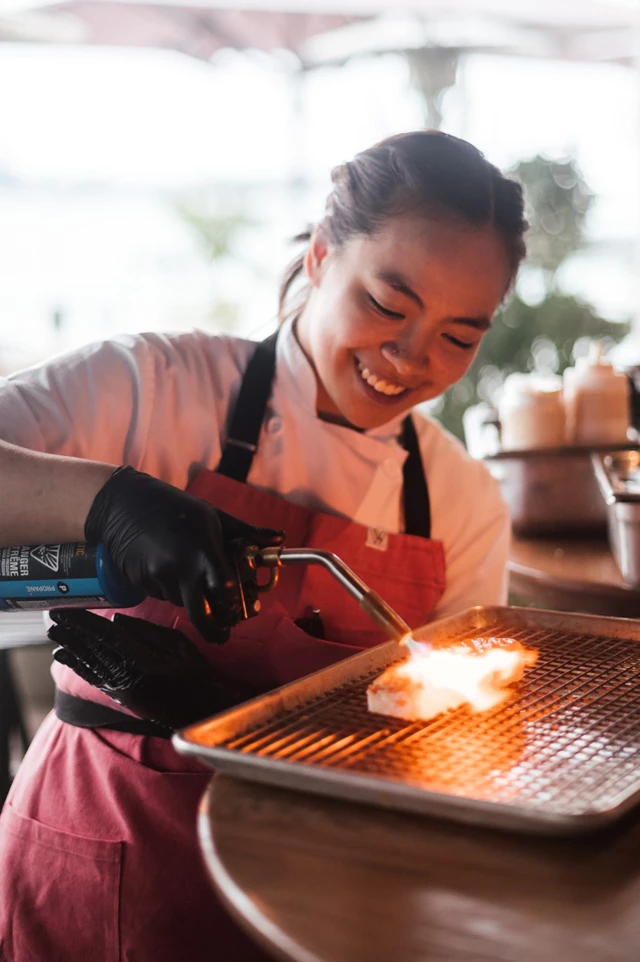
x=369 y=600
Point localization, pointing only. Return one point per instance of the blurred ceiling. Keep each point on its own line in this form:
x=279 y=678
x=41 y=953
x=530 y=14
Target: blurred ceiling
x=325 y=31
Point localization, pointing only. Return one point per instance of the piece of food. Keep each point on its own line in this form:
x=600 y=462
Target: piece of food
x=477 y=671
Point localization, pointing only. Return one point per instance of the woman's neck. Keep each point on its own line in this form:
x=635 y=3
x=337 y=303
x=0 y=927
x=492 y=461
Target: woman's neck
x=338 y=419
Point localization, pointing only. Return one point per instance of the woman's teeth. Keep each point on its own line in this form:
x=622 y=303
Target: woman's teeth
x=378 y=383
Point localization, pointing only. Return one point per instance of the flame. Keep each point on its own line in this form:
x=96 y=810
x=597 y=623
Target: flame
x=477 y=671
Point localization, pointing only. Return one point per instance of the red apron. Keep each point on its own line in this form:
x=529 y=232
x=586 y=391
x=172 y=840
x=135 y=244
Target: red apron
x=99 y=858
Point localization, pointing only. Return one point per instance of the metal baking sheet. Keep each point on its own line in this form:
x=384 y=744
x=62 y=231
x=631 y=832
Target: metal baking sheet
x=561 y=756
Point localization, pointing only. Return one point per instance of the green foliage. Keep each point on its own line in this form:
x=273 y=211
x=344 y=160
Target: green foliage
x=524 y=337
x=215 y=219
x=557 y=204
x=522 y=330
x=544 y=336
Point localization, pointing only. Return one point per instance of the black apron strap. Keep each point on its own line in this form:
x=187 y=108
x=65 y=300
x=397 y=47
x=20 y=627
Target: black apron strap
x=415 y=492
x=246 y=423
x=89 y=714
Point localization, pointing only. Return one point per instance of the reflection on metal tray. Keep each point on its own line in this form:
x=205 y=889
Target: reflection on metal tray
x=551 y=490
x=618 y=476
x=562 y=756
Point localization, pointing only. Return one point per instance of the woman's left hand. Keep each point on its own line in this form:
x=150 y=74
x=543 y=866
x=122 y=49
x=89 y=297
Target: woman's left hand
x=156 y=672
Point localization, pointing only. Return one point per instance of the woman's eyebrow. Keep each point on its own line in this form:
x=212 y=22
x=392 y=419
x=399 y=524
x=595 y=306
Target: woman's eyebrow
x=399 y=283
x=478 y=323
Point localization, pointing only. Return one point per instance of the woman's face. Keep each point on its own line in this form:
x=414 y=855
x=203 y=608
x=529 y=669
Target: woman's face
x=396 y=318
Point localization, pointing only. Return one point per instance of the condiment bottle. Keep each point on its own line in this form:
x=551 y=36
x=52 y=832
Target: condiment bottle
x=531 y=412
x=596 y=400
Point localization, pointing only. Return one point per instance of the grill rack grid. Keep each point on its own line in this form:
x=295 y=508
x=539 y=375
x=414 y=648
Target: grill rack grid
x=563 y=754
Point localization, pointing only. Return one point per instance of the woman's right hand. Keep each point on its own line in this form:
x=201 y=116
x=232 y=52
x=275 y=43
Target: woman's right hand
x=174 y=546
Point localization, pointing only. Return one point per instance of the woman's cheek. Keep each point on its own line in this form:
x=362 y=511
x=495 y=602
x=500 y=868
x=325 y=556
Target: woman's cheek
x=448 y=369
x=358 y=332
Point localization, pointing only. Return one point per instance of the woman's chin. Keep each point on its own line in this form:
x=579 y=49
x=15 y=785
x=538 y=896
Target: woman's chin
x=367 y=417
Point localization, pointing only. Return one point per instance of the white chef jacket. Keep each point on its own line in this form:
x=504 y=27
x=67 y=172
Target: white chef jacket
x=162 y=403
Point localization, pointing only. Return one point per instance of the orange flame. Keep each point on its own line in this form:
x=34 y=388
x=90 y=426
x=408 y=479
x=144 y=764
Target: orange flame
x=477 y=672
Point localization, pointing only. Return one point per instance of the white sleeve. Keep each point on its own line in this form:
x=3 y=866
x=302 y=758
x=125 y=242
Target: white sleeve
x=471 y=519
x=158 y=402
x=477 y=561
x=90 y=403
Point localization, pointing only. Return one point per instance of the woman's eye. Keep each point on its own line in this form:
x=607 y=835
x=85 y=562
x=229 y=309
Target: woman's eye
x=464 y=345
x=384 y=310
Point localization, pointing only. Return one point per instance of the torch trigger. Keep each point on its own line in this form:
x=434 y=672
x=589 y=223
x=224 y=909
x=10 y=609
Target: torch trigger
x=241 y=594
x=274 y=574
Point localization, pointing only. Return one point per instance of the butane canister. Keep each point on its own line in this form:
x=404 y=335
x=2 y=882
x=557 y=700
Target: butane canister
x=74 y=575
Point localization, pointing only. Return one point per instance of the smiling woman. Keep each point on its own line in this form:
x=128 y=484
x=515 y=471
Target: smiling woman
x=312 y=431
x=405 y=273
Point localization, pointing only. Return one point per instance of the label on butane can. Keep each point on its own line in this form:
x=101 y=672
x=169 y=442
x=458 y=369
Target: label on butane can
x=42 y=604
x=49 y=575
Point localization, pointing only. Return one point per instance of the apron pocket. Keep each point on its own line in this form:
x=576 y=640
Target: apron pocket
x=271 y=650
x=40 y=919
x=293 y=653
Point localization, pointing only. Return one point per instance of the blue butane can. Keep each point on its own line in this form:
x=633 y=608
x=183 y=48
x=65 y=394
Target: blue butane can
x=74 y=575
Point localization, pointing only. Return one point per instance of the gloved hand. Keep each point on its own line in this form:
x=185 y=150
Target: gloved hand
x=156 y=672
x=174 y=546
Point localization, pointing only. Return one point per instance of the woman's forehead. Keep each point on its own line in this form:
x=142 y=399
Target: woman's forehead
x=463 y=269
x=407 y=244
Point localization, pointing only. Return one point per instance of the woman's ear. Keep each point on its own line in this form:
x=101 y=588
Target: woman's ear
x=316 y=253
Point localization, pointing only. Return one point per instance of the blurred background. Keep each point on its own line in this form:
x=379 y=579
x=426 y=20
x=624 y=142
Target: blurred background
x=155 y=157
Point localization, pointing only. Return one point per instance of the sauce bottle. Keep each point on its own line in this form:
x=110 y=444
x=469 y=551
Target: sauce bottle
x=531 y=412
x=597 y=401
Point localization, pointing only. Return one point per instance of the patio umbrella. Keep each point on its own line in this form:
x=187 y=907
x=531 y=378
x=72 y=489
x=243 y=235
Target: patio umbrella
x=196 y=29
x=571 y=29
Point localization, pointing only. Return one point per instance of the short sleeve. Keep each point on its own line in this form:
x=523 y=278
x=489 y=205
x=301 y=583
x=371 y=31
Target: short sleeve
x=90 y=403
x=471 y=519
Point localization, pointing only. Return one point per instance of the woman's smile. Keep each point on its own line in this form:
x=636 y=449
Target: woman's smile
x=381 y=388
x=380 y=383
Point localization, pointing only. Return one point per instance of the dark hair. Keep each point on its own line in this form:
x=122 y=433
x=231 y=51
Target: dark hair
x=426 y=172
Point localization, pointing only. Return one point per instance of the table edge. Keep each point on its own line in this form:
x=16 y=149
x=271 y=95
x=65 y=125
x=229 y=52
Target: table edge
x=236 y=901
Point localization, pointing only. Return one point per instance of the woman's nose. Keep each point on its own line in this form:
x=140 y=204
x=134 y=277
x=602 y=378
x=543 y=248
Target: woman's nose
x=405 y=356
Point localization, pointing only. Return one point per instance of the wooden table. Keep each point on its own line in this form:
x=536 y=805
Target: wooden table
x=572 y=574
x=317 y=880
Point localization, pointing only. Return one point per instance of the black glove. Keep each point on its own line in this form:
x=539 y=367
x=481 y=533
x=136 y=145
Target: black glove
x=156 y=672
x=174 y=546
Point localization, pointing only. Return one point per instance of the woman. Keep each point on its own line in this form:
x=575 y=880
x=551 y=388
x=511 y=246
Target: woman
x=312 y=433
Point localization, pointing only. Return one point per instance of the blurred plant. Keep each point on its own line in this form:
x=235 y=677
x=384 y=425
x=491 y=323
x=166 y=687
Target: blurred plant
x=558 y=201
x=548 y=335
x=218 y=220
